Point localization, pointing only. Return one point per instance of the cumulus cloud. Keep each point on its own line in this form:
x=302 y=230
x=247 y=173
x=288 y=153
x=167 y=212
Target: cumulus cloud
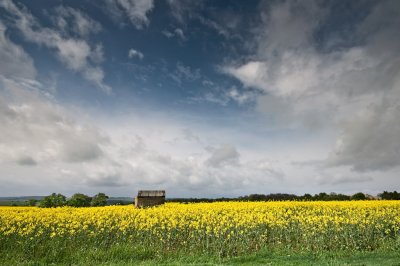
x=135 y=10
x=36 y=130
x=125 y=155
x=225 y=154
x=344 y=84
x=370 y=139
x=134 y=53
x=104 y=174
x=250 y=74
x=75 y=54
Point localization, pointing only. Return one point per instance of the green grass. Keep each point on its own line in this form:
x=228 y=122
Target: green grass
x=13 y=203
x=124 y=254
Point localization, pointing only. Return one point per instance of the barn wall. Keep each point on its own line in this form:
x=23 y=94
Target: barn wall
x=141 y=202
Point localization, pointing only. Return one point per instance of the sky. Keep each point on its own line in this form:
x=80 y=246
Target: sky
x=200 y=98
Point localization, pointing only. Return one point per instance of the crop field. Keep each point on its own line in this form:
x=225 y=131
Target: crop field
x=211 y=230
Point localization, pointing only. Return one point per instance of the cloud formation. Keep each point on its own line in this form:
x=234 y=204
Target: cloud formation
x=35 y=130
x=41 y=134
x=353 y=83
x=75 y=54
x=178 y=33
x=135 y=10
x=134 y=53
x=74 y=22
x=15 y=61
x=305 y=97
x=222 y=155
x=184 y=73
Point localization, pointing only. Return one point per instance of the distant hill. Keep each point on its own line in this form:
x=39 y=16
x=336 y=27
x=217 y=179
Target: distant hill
x=119 y=200
x=22 y=198
x=18 y=201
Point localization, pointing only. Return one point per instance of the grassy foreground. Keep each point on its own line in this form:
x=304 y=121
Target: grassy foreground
x=231 y=233
x=127 y=255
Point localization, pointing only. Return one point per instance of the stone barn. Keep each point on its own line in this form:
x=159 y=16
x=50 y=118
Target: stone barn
x=148 y=198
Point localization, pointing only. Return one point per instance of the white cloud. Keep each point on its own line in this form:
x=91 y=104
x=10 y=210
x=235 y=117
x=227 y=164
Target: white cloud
x=213 y=98
x=104 y=174
x=224 y=154
x=185 y=73
x=73 y=21
x=223 y=21
x=250 y=74
x=353 y=90
x=135 y=10
x=76 y=54
x=15 y=61
x=181 y=10
x=97 y=54
x=167 y=34
x=178 y=33
x=241 y=97
x=125 y=153
x=134 y=53
x=35 y=130
x=73 y=53
x=68 y=154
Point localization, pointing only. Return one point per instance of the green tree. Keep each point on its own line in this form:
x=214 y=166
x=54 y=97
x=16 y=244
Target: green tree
x=321 y=196
x=53 y=200
x=32 y=202
x=359 y=196
x=79 y=200
x=99 y=199
x=389 y=195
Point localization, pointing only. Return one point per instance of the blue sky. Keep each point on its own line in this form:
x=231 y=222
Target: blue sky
x=201 y=98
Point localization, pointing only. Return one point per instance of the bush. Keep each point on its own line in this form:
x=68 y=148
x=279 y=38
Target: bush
x=359 y=196
x=99 y=200
x=79 y=200
x=32 y=202
x=53 y=200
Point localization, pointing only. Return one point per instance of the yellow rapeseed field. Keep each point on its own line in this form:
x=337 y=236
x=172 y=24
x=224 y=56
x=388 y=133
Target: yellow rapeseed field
x=230 y=227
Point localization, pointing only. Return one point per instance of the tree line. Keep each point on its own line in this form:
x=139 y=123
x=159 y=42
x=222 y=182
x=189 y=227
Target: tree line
x=306 y=197
x=77 y=200
x=100 y=199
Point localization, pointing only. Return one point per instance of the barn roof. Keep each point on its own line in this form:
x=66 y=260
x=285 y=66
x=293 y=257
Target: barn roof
x=151 y=193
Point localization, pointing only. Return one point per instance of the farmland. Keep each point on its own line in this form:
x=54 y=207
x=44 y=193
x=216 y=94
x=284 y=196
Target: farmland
x=215 y=232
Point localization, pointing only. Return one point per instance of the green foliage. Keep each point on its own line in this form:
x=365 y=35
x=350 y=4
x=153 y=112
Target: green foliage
x=359 y=196
x=385 y=195
x=79 y=200
x=99 y=199
x=53 y=200
x=32 y=202
x=67 y=252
